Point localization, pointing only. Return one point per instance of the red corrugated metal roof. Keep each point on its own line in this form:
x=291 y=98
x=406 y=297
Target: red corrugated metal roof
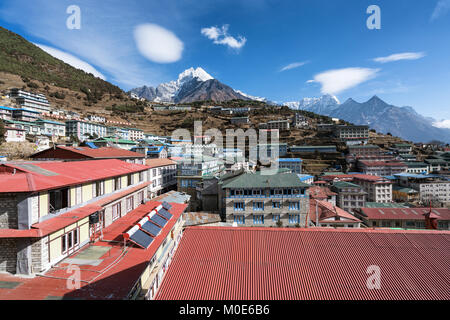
x=100 y=153
x=327 y=210
x=154 y=163
x=404 y=213
x=215 y=263
x=369 y=163
x=29 y=178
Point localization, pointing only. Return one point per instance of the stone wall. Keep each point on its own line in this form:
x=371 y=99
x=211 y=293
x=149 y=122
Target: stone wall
x=8 y=211
x=8 y=255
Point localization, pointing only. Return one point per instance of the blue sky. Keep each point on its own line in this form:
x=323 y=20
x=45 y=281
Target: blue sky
x=323 y=46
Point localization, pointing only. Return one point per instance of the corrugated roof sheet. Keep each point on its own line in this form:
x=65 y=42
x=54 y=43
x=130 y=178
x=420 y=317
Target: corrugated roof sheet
x=403 y=213
x=258 y=180
x=223 y=263
x=99 y=153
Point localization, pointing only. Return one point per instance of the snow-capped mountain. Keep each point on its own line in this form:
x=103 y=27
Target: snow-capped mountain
x=191 y=85
x=403 y=122
x=321 y=105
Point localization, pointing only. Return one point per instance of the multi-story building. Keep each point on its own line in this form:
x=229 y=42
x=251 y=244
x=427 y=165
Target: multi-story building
x=95 y=118
x=191 y=171
x=405 y=194
x=417 y=167
x=162 y=176
x=294 y=164
x=52 y=128
x=14 y=134
x=269 y=150
x=240 y=120
x=431 y=188
x=49 y=210
x=300 y=121
x=115 y=142
x=281 y=125
x=352 y=135
x=381 y=168
x=31 y=101
x=6 y=113
x=135 y=134
x=25 y=115
x=436 y=165
x=312 y=149
x=402 y=148
x=350 y=196
x=257 y=199
x=84 y=130
x=30 y=128
x=122 y=133
x=322 y=194
x=378 y=189
x=405 y=218
x=364 y=150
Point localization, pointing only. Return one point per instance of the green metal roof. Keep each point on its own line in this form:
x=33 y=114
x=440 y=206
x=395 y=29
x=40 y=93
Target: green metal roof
x=385 y=205
x=258 y=180
x=404 y=189
x=114 y=140
x=344 y=184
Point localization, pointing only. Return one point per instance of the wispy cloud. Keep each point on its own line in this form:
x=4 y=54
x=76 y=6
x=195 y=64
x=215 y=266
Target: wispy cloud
x=293 y=66
x=338 y=80
x=442 y=124
x=400 y=56
x=221 y=36
x=71 y=60
x=158 y=44
x=441 y=9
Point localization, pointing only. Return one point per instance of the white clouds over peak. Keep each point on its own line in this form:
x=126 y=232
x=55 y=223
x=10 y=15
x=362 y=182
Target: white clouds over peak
x=157 y=43
x=400 y=56
x=71 y=60
x=221 y=36
x=445 y=124
x=338 y=80
x=293 y=66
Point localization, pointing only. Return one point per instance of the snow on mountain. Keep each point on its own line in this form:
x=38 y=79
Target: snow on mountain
x=251 y=97
x=322 y=104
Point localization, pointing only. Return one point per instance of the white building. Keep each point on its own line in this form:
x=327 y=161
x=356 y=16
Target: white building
x=14 y=134
x=135 y=134
x=378 y=189
x=83 y=129
x=162 y=176
x=31 y=101
x=94 y=118
x=52 y=128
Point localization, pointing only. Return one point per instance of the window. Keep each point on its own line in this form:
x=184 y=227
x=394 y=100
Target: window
x=99 y=188
x=239 y=219
x=239 y=206
x=258 y=206
x=129 y=204
x=140 y=197
x=276 y=218
x=69 y=241
x=276 y=204
x=129 y=180
x=294 y=218
x=59 y=199
x=294 y=206
x=258 y=219
x=116 y=211
x=141 y=176
x=117 y=184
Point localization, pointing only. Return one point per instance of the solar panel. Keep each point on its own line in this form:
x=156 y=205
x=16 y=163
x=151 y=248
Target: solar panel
x=141 y=238
x=158 y=220
x=151 y=228
x=166 y=206
x=166 y=214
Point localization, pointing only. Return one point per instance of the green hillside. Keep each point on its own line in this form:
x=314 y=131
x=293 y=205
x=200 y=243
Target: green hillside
x=19 y=56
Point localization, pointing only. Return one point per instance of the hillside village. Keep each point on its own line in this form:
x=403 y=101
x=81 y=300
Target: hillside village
x=86 y=177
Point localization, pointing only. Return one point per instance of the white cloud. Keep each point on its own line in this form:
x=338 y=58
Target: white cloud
x=72 y=60
x=442 y=7
x=338 y=80
x=221 y=36
x=400 y=56
x=442 y=124
x=293 y=66
x=158 y=44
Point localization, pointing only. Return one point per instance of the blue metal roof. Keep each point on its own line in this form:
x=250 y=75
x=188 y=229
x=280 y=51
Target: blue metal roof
x=290 y=160
x=91 y=145
x=6 y=108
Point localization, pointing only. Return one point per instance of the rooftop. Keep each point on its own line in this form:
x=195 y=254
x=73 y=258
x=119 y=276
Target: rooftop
x=155 y=163
x=259 y=180
x=226 y=263
x=404 y=213
x=88 y=152
x=48 y=175
x=110 y=275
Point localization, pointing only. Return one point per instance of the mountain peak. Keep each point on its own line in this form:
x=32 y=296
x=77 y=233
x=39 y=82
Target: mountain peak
x=192 y=73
